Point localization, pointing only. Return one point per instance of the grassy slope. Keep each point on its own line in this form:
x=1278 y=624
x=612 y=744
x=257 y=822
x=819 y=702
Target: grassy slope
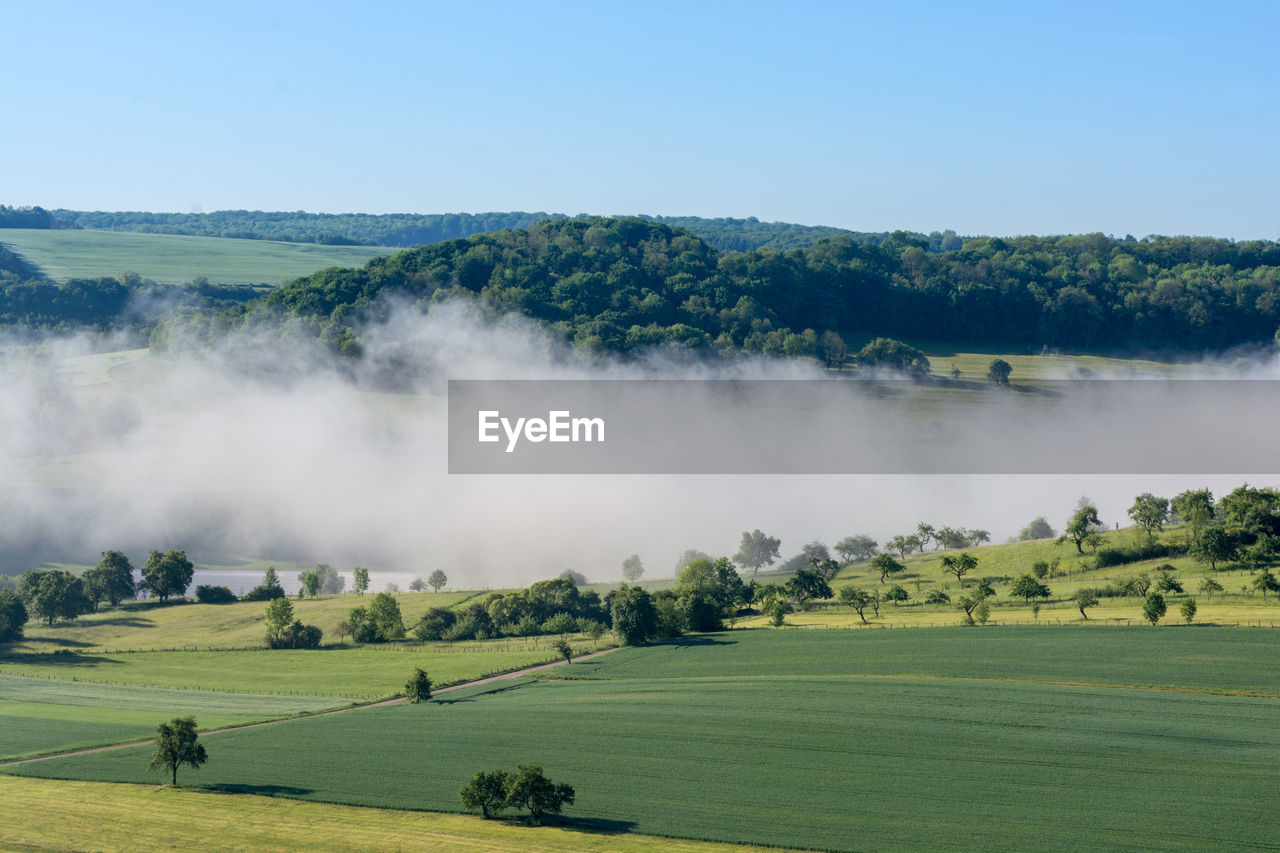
x=145 y=817
x=1005 y=563
x=848 y=740
x=173 y=259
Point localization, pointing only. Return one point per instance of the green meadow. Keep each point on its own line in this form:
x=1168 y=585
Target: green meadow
x=176 y=259
x=986 y=738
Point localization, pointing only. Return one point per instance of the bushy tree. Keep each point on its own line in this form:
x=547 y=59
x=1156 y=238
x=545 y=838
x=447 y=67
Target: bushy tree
x=177 y=743
x=111 y=579
x=806 y=585
x=167 y=574
x=1189 y=610
x=531 y=789
x=887 y=566
x=268 y=589
x=1214 y=545
x=856 y=548
x=1150 y=513
x=1194 y=508
x=487 y=792
x=418 y=687
x=1027 y=588
x=998 y=371
x=1265 y=582
x=959 y=565
x=937 y=596
x=708 y=592
x=360 y=579
x=437 y=580
x=896 y=593
x=417 y=585
x=331 y=583
x=632 y=568
x=1082 y=523
x=1085 y=597
x=384 y=610
x=634 y=619
x=309 y=583
x=1154 y=608
x=279 y=614
x=214 y=595
x=54 y=594
x=1037 y=529
x=563 y=649
x=756 y=550
x=13 y=616
x=892 y=355
x=1208 y=586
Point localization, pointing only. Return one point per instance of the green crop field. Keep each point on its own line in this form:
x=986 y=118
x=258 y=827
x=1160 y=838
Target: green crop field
x=174 y=259
x=983 y=739
x=42 y=715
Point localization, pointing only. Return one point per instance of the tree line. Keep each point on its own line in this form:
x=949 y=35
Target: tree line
x=628 y=284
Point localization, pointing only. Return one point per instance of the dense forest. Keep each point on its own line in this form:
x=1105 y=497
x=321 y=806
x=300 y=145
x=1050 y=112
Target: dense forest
x=628 y=283
x=409 y=230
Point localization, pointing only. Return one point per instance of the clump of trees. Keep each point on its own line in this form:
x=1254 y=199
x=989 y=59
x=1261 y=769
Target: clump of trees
x=268 y=589
x=527 y=788
x=380 y=622
x=286 y=632
x=13 y=616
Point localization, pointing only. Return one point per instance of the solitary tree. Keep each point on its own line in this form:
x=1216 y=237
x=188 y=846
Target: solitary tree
x=1027 y=588
x=530 y=789
x=756 y=550
x=562 y=647
x=1189 y=610
x=1150 y=513
x=360 y=578
x=176 y=744
x=167 y=574
x=632 y=568
x=858 y=599
x=1085 y=597
x=886 y=566
x=998 y=371
x=1265 y=582
x=487 y=792
x=331 y=583
x=1209 y=586
x=1154 y=608
x=925 y=534
x=904 y=545
x=1080 y=526
x=959 y=565
x=278 y=617
x=437 y=580
x=937 y=596
x=896 y=593
x=310 y=583
x=1037 y=529
x=418 y=687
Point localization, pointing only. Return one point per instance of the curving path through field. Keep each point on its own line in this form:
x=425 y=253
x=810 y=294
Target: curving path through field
x=452 y=687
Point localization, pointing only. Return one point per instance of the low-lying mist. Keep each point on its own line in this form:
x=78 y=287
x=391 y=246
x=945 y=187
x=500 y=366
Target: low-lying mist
x=272 y=448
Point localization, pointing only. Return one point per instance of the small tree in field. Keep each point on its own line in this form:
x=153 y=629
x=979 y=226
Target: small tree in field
x=487 y=792
x=959 y=565
x=436 y=580
x=887 y=566
x=858 y=599
x=1154 y=608
x=1189 y=610
x=418 y=687
x=563 y=649
x=1085 y=597
x=176 y=744
x=998 y=371
x=360 y=579
x=1209 y=586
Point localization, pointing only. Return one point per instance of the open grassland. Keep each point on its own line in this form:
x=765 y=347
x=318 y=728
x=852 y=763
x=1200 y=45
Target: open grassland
x=42 y=715
x=222 y=626
x=978 y=739
x=45 y=814
x=175 y=259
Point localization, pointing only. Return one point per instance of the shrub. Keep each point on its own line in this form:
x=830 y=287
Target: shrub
x=434 y=625
x=561 y=623
x=296 y=636
x=1118 y=556
x=264 y=593
x=214 y=595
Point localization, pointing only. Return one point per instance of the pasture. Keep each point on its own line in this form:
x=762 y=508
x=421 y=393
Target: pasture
x=992 y=739
x=176 y=259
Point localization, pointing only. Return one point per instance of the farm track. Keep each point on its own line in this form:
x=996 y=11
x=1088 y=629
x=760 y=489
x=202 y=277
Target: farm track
x=397 y=701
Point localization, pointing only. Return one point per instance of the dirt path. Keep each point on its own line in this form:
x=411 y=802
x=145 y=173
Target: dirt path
x=461 y=686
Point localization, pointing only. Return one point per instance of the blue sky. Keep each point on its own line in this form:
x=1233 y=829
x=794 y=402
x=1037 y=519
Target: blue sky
x=994 y=118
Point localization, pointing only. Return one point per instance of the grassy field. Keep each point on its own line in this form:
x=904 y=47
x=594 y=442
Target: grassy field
x=175 y=259
x=223 y=626
x=139 y=817
x=43 y=715
x=991 y=739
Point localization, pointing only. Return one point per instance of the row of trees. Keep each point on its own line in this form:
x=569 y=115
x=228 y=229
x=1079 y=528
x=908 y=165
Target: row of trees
x=626 y=284
x=52 y=594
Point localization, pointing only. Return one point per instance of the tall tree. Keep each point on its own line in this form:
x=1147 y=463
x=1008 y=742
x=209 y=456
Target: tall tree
x=1150 y=513
x=360 y=577
x=757 y=550
x=113 y=577
x=167 y=574
x=177 y=743
x=634 y=618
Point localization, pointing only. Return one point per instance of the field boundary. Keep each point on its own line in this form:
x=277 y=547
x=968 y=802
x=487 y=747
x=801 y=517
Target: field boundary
x=398 y=700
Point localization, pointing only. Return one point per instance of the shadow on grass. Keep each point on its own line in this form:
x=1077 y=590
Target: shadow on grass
x=499 y=687
x=55 y=641
x=259 y=790
x=66 y=659
x=122 y=621
x=697 y=640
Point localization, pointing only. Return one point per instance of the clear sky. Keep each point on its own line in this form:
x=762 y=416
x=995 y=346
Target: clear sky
x=989 y=118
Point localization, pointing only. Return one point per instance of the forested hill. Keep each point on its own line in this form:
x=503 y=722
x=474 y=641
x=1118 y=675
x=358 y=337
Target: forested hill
x=622 y=284
x=409 y=230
